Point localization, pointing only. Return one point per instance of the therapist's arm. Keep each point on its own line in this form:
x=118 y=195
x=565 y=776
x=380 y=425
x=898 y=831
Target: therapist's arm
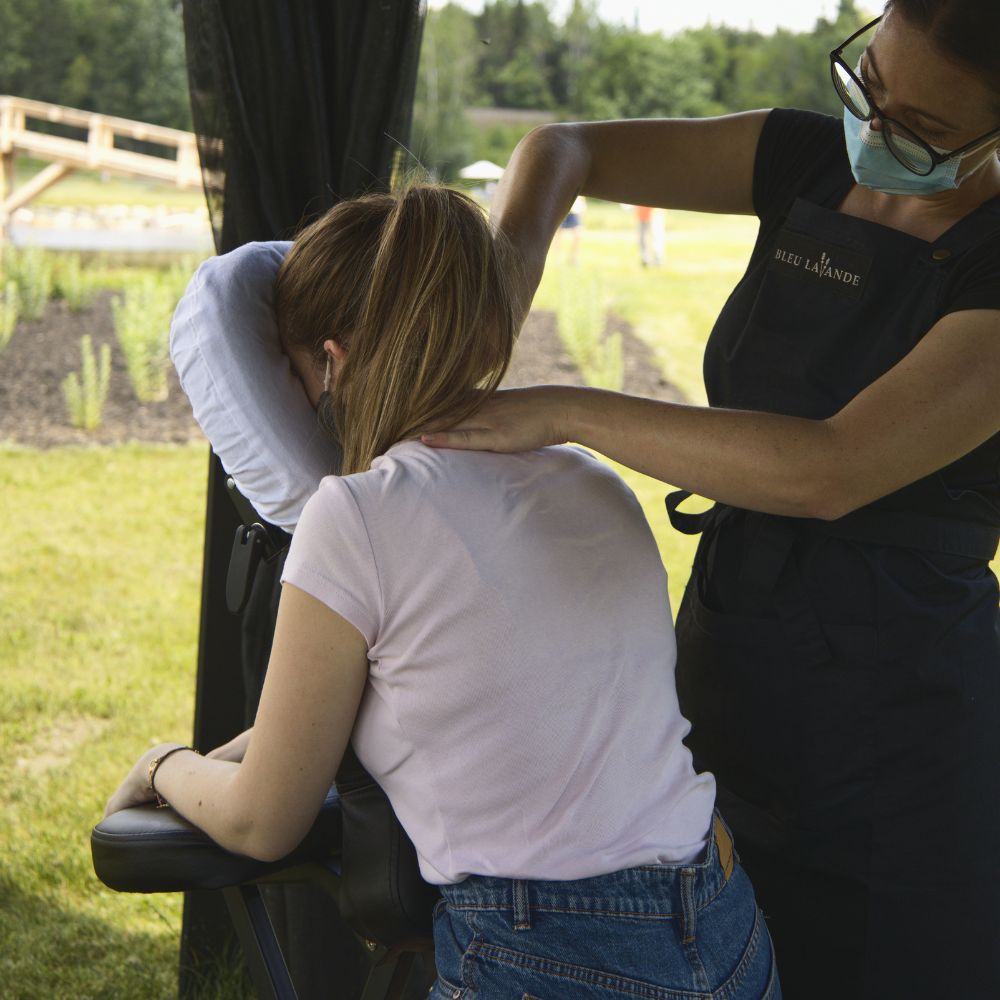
x=264 y=806
x=692 y=164
x=937 y=404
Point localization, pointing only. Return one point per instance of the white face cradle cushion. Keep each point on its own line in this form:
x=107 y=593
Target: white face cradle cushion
x=244 y=394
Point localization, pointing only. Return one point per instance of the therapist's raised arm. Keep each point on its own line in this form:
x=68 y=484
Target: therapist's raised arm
x=703 y=165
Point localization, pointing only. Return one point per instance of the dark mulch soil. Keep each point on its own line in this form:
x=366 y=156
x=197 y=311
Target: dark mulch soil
x=42 y=353
x=541 y=358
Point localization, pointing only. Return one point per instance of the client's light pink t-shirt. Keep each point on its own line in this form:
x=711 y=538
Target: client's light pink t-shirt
x=520 y=710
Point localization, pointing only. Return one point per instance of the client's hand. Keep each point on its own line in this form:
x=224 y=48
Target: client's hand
x=512 y=420
x=134 y=790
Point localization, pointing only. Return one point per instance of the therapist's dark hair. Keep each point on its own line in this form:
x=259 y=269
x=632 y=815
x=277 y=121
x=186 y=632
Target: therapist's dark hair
x=966 y=31
x=419 y=289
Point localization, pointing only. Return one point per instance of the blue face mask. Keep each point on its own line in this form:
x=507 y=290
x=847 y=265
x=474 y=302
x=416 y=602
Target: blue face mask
x=875 y=167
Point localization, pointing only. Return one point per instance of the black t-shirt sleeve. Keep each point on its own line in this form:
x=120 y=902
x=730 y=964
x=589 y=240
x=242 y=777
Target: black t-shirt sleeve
x=974 y=283
x=799 y=152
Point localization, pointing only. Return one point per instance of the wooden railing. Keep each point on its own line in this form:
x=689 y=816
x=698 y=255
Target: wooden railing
x=94 y=150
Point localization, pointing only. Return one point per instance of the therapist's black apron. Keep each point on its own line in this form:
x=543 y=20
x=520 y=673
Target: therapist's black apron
x=843 y=678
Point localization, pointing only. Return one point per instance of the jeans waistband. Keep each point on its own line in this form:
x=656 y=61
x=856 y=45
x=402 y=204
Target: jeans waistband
x=646 y=890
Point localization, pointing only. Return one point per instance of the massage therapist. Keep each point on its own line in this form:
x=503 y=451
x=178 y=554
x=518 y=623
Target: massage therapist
x=839 y=652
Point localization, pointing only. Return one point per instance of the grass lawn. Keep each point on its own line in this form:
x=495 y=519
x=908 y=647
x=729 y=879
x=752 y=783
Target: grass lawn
x=99 y=590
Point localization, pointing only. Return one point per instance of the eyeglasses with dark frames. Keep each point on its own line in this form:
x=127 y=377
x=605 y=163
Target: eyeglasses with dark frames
x=905 y=145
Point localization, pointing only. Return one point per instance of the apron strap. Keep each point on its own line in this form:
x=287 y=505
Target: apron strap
x=902 y=529
x=914 y=531
x=771 y=540
x=686 y=524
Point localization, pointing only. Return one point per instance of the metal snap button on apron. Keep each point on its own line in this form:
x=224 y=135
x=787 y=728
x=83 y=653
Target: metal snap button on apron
x=941 y=254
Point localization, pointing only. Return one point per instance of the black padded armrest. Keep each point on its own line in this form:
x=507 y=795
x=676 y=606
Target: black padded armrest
x=145 y=849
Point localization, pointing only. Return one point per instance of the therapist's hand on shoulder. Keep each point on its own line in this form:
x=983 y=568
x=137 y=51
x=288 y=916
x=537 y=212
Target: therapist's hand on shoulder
x=511 y=420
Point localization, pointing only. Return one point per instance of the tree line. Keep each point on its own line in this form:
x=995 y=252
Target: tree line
x=513 y=55
x=126 y=58
x=123 y=57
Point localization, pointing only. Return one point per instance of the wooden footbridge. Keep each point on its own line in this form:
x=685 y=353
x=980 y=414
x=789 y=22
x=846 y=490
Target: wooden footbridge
x=90 y=147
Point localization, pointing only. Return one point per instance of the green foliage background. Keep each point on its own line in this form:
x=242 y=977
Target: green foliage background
x=127 y=58
x=123 y=58
x=512 y=55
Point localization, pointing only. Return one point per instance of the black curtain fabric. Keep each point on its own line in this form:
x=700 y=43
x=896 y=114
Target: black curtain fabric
x=296 y=105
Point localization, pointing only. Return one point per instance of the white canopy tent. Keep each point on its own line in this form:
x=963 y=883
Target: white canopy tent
x=481 y=170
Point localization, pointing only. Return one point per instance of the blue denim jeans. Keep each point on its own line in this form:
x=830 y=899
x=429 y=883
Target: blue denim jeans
x=657 y=932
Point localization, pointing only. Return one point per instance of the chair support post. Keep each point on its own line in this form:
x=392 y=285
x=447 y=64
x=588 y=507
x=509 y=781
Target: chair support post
x=260 y=945
x=389 y=977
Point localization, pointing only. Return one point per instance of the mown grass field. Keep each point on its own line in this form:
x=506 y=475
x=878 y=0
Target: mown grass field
x=98 y=625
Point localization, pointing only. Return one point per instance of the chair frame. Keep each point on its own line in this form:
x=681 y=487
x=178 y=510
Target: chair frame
x=391 y=969
x=183 y=858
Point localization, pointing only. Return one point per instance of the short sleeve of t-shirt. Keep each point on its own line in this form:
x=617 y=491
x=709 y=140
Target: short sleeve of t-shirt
x=798 y=152
x=331 y=558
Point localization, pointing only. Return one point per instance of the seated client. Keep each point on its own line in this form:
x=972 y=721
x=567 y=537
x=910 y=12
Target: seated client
x=492 y=633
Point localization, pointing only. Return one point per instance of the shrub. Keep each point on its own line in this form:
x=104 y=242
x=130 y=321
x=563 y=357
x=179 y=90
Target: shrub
x=179 y=274
x=581 y=318
x=86 y=393
x=606 y=369
x=142 y=325
x=72 y=283
x=8 y=313
x=30 y=269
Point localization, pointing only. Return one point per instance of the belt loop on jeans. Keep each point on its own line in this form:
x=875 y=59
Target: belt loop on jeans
x=724 y=844
x=522 y=912
x=690 y=909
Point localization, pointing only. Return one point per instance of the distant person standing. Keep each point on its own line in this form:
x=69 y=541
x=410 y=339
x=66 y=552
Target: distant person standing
x=573 y=225
x=650 y=236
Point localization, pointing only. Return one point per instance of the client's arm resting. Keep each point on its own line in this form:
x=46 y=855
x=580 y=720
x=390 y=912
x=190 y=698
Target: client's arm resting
x=264 y=806
x=234 y=750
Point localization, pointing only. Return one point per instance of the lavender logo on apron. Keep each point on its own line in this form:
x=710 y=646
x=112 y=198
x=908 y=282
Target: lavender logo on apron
x=833 y=267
